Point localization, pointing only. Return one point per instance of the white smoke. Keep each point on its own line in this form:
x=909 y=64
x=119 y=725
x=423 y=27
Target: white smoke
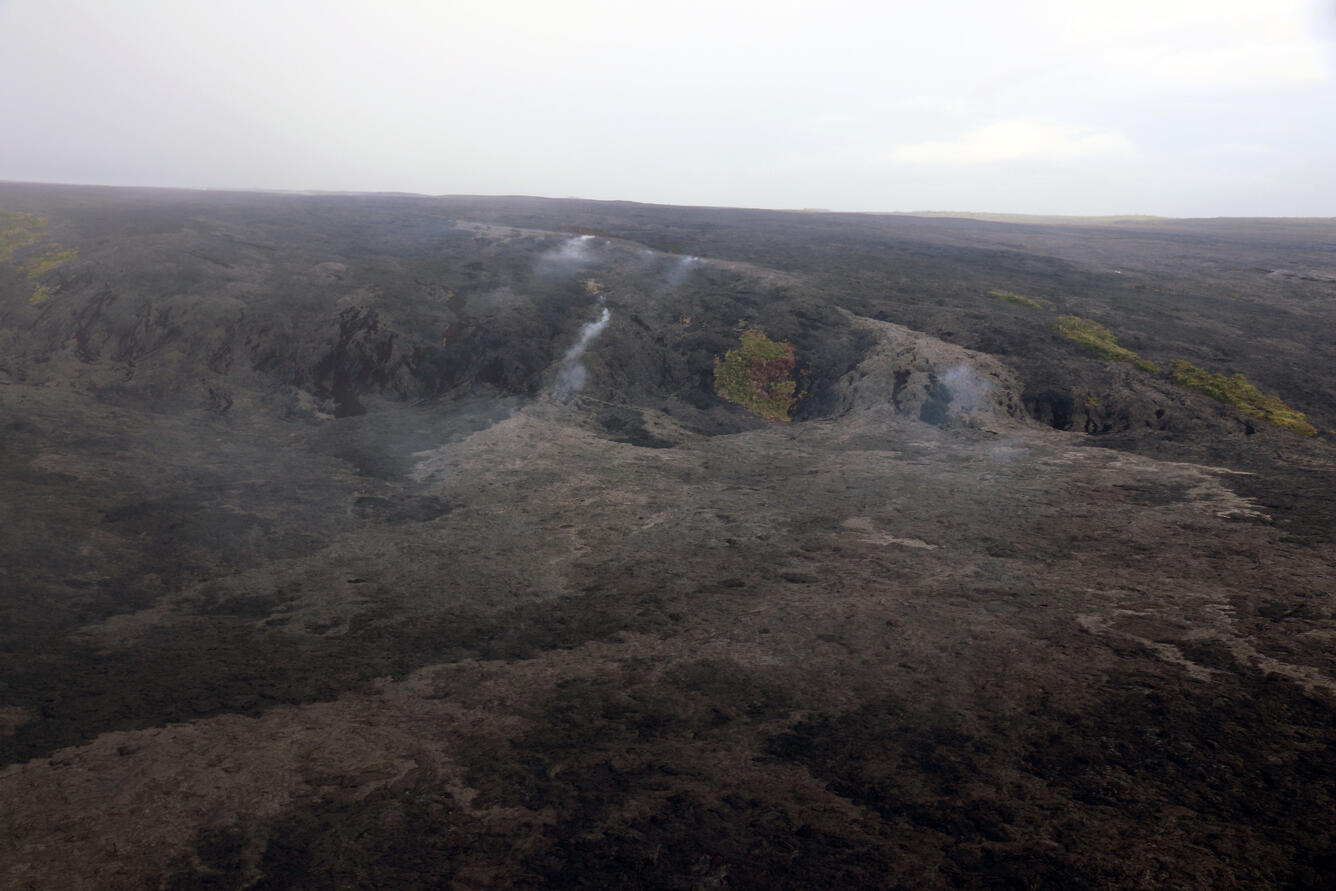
x=1005 y=454
x=567 y=258
x=572 y=375
x=969 y=391
x=679 y=271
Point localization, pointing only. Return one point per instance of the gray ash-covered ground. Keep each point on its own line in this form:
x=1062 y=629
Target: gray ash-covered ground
x=319 y=570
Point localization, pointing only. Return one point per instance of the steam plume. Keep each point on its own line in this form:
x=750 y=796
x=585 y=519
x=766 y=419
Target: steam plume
x=969 y=391
x=567 y=258
x=679 y=271
x=572 y=375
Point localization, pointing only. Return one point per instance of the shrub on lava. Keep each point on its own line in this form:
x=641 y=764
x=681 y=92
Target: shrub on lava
x=758 y=375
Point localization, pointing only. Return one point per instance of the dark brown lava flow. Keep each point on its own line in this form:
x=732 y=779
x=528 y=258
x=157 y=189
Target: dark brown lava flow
x=307 y=580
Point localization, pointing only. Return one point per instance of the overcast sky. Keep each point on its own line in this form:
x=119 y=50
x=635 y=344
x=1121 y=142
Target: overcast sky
x=1171 y=107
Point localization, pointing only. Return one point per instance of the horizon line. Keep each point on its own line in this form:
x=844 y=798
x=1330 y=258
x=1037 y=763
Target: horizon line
x=978 y=215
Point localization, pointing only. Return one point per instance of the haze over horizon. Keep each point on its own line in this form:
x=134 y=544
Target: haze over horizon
x=1181 y=109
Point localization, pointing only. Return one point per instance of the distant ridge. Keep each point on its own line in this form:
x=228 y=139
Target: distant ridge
x=1034 y=218
x=1076 y=220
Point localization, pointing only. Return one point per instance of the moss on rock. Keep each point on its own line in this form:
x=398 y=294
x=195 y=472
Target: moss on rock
x=1095 y=336
x=1019 y=299
x=41 y=265
x=1242 y=394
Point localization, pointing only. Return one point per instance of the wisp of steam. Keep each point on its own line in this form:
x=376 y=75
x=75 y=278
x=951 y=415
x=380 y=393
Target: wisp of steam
x=969 y=391
x=679 y=271
x=568 y=258
x=572 y=375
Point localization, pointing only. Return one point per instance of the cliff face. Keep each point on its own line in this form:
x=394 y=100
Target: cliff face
x=322 y=566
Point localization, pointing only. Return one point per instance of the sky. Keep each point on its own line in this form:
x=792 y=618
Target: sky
x=1166 y=107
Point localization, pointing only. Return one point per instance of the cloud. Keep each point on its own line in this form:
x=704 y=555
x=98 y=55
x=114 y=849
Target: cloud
x=938 y=105
x=1200 y=45
x=1243 y=151
x=1225 y=66
x=1007 y=141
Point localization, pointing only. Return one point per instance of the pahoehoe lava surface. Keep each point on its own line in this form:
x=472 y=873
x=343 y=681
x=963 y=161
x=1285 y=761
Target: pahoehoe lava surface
x=320 y=568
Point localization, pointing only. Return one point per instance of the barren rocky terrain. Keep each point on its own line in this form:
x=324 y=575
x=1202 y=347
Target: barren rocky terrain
x=392 y=541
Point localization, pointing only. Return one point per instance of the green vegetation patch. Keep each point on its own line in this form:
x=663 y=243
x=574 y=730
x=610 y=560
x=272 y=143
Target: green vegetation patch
x=19 y=233
x=1020 y=300
x=41 y=265
x=1100 y=339
x=16 y=230
x=40 y=295
x=758 y=376
x=1238 y=391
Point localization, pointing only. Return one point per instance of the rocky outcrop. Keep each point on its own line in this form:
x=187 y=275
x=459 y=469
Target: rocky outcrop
x=909 y=374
